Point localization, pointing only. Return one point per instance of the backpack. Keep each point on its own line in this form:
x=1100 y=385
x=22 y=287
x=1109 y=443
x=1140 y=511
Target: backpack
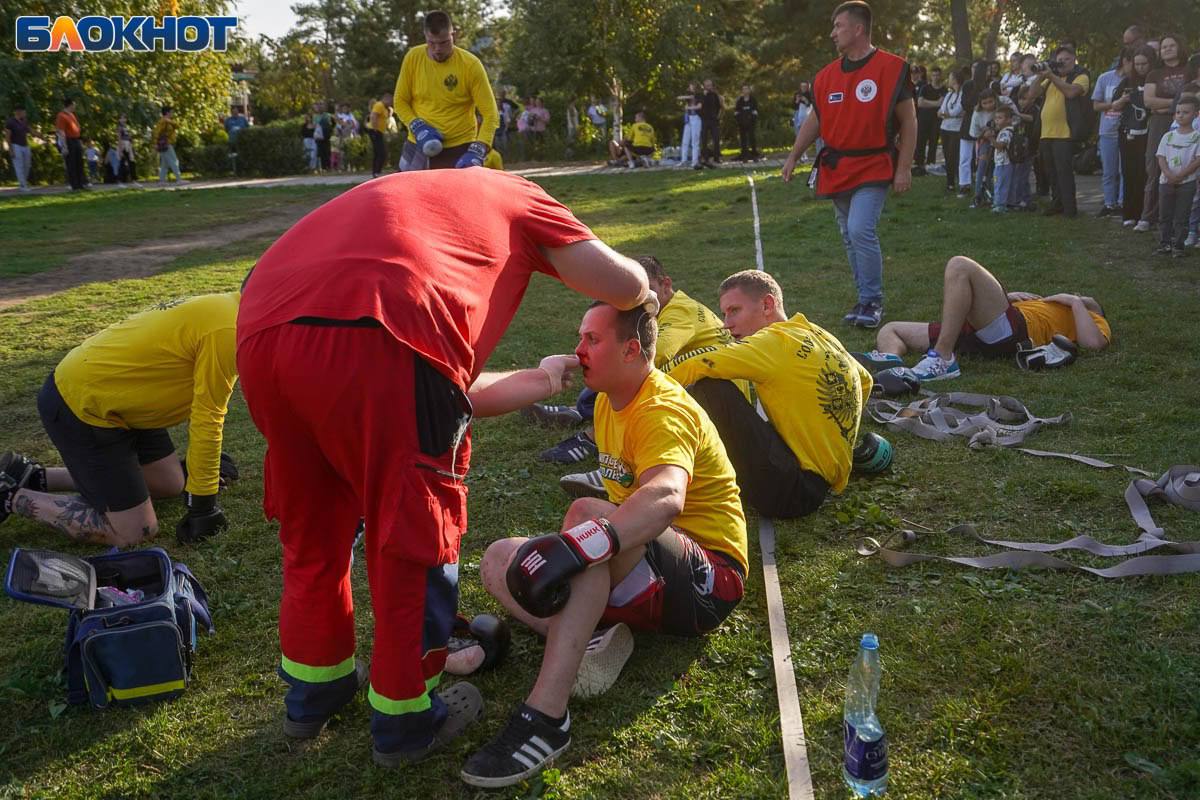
x=1019 y=147
x=162 y=143
x=132 y=631
x=1081 y=117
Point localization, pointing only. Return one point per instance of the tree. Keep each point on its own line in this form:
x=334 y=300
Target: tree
x=961 y=28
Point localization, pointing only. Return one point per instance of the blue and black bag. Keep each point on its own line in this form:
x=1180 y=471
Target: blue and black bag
x=134 y=617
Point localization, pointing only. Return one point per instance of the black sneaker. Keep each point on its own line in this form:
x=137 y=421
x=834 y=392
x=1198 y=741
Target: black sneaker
x=851 y=317
x=870 y=316
x=571 y=450
x=1163 y=250
x=18 y=472
x=1178 y=252
x=527 y=744
x=552 y=416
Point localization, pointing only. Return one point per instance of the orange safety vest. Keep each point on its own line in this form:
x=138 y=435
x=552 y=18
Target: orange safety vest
x=855 y=110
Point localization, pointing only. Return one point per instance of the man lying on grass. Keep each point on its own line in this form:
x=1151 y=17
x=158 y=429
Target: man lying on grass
x=812 y=390
x=665 y=553
x=107 y=407
x=978 y=316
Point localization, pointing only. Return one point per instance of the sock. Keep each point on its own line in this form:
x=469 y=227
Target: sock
x=558 y=722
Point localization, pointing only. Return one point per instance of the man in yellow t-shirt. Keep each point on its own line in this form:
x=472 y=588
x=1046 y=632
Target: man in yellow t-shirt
x=811 y=390
x=377 y=128
x=978 y=316
x=666 y=552
x=640 y=142
x=1062 y=84
x=438 y=92
x=107 y=407
x=683 y=324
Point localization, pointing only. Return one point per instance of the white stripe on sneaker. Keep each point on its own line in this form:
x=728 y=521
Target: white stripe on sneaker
x=541 y=744
x=524 y=760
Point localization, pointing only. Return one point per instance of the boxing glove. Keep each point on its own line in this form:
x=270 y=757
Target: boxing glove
x=204 y=518
x=428 y=138
x=476 y=153
x=539 y=575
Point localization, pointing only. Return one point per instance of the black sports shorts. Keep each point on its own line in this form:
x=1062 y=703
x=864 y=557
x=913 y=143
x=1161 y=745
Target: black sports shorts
x=105 y=463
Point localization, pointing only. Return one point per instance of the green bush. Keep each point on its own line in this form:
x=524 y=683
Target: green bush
x=269 y=151
x=210 y=161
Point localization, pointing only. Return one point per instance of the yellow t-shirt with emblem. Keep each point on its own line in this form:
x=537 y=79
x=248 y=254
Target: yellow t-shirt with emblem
x=1054 y=109
x=642 y=134
x=1043 y=320
x=381 y=117
x=685 y=324
x=664 y=425
x=447 y=95
x=158 y=368
x=813 y=391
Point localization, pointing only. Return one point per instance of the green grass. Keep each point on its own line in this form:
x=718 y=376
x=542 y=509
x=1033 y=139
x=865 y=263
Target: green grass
x=996 y=685
x=41 y=232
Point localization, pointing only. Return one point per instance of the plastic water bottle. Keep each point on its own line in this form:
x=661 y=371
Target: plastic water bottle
x=865 y=764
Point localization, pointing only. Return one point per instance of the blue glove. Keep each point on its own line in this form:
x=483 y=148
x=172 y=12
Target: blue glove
x=429 y=138
x=476 y=153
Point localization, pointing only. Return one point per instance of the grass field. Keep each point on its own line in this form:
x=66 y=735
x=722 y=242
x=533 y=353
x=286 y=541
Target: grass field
x=996 y=685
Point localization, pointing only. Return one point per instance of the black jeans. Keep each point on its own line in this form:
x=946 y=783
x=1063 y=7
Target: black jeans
x=1133 y=171
x=748 y=141
x=378 y=152
x=927 y=140
x=74 y=160
x=1058 y=158
x=1174 y=208
x=710 y=139
x=950 y=154
x=768 y=474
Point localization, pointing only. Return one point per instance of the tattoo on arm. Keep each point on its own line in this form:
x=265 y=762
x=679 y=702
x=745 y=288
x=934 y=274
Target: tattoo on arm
x=24 y=506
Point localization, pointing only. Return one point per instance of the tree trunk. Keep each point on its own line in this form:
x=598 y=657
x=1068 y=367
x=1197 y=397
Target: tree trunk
x=960 y=25
x=993 y=34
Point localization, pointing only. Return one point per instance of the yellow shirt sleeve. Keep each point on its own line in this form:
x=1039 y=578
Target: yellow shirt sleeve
x=485 y=103
x=676 y=327
x=749 y=359
x=381 y=114
x=214 y=375
x=402 y=95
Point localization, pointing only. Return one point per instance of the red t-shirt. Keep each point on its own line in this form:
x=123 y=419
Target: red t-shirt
x=441 y=258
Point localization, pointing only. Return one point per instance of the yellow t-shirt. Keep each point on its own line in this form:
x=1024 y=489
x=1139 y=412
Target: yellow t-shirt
x=447 y=95
x=664 y=425
x=642 y=134
x=685 y=324
x=1044 y=320
x=493 y=160
x=168 y=126
x=812 y=390
x=381 y=117
x=1054 y=110
x=158 y=368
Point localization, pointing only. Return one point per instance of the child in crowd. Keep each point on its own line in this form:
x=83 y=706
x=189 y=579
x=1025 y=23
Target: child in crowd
x=1178 y=160
x=984 y=134
x=93 y=161
x=1002 y=194
x=112 y=164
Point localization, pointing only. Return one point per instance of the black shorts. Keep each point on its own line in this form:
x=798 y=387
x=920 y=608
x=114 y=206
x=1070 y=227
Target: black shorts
x=105 y=463
x=641 y=150
x=678 y=588
x=969 y=341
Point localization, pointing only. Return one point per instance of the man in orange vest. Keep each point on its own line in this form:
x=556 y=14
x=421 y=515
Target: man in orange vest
x=69 y=132
x=862 y=102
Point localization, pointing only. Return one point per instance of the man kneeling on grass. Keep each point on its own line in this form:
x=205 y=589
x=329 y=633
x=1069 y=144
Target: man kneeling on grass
x=107 y=407
x=665 y=553
x=978 y=316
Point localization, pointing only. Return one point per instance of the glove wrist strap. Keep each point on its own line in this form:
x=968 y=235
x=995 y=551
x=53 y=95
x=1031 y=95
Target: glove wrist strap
x=594 y=541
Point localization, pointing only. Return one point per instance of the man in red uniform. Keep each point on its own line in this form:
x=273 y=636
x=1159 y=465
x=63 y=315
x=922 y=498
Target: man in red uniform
x=860 y=102
x=361 y=338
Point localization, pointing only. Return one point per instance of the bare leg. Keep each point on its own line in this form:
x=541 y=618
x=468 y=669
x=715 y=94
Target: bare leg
x=73 y=516
x=164 y=478
x=900 y=337
x=969 y=294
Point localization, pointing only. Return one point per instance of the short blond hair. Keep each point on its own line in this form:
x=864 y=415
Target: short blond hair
x=753 y=282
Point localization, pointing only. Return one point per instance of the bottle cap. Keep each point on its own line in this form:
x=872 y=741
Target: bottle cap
x=869 y=642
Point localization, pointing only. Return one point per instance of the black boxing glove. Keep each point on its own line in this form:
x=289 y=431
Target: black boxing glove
x=539 y=575
x=204 y=518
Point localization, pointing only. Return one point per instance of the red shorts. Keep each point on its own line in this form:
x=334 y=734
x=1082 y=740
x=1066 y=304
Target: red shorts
x=677 y=588
x=969 y=341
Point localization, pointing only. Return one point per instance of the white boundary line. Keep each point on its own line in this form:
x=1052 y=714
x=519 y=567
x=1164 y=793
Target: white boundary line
x=795 y=753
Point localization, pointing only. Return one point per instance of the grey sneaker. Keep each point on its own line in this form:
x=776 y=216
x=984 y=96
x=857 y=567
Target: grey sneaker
x=851 y=316
x=584 y=484
x=603 y=661
x=870 y=316
x=465 y=706
x=312 y=729
x=552 y=416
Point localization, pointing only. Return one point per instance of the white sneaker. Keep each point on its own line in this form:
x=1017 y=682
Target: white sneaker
x=181 y=182
x=1129 y=223
x=584 y=484
x=603 y=661
x=1142 y=226
x=1191 y=240
x=935 y=368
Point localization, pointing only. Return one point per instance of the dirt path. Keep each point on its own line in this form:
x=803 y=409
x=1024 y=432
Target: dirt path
x=143 y=258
